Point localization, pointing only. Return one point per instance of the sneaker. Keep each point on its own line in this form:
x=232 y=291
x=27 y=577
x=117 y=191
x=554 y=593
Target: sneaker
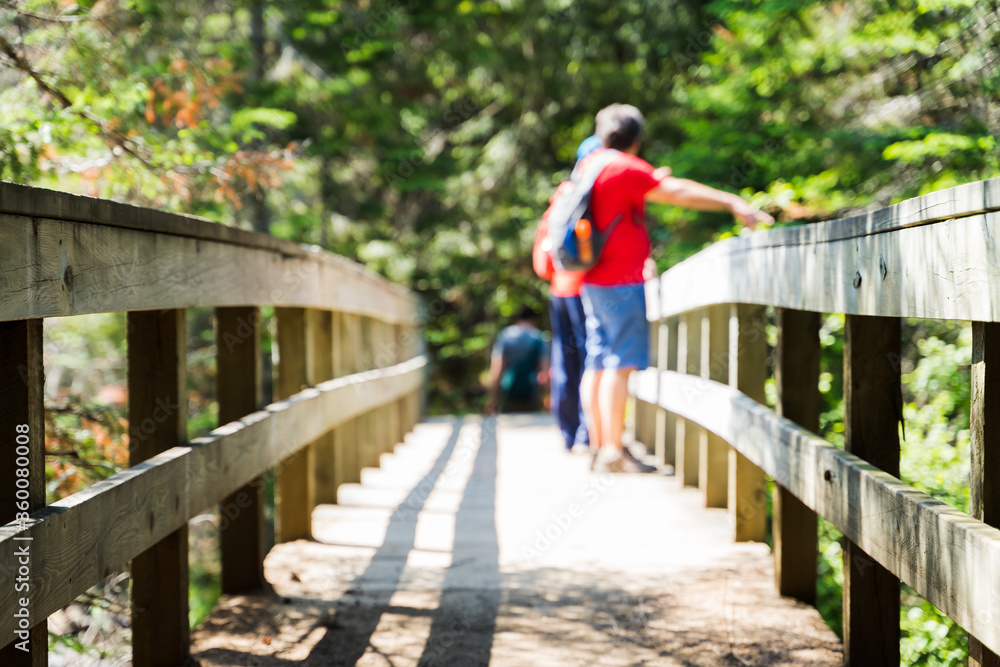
x=580 y=448
x=626 y=462
x=595 y=454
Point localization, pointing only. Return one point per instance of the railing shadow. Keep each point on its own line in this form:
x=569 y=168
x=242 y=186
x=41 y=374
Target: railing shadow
x=466 y=616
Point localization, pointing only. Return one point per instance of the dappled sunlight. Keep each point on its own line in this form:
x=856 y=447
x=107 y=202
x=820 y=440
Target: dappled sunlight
x=539 y=562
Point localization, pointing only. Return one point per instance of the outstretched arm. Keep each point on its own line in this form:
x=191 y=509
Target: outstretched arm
x=690 y=194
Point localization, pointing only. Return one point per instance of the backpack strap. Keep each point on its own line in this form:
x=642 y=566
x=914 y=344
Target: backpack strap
x=594 y=167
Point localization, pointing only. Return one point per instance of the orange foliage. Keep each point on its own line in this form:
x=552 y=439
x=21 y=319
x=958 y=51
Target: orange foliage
x=181 y=100
x=257 y=169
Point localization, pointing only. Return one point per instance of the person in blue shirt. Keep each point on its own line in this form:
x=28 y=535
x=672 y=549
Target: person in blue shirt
x=518 y=366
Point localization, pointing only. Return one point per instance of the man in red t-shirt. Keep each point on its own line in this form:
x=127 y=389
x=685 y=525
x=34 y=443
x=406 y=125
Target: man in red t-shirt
x=613 y=294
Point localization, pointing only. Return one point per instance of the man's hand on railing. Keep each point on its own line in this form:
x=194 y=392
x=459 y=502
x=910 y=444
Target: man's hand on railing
x=697 y=196
x=750 y=216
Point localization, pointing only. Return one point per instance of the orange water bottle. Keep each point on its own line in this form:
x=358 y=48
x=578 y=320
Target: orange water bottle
x=584 y=243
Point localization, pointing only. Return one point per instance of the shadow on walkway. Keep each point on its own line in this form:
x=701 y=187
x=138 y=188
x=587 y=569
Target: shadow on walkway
x=644 y=576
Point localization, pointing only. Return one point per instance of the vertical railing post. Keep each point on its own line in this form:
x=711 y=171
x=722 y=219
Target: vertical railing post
x=367 y=437
x=238 y=382
x=872 y=410
x=349 y=446
x=713 y=474
x=645 y=413
x=644 y=421
x=22 y=428
x=295 y=493
x=324 y=455
x=984 y=476
x=381 y=358
x=412 y=343
x=796 y=375
x=157 y=411
x=666 y=360
x=748 y=373
x=398 y=406
x=688 y=433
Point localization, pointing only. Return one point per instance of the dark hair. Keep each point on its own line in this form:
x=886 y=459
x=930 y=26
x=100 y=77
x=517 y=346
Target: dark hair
x=619 y=126
x=526 y=313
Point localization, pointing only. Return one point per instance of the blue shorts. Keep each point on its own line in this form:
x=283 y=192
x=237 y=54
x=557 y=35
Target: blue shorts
x=617 y=330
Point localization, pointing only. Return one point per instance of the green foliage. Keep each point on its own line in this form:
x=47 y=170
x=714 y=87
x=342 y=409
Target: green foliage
x=929 y=637
x=424 y=139
x=936 y=452
x=934 y=459
x=830 y=576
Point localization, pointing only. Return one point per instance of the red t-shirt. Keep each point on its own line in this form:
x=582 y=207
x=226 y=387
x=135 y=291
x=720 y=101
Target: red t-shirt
x=621 y=188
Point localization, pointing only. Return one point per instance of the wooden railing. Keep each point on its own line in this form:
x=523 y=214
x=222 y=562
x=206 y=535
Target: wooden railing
x=702 y=406
x=349 y=381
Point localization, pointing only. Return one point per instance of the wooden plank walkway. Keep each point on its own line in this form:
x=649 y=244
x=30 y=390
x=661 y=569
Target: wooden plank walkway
x=481 y=542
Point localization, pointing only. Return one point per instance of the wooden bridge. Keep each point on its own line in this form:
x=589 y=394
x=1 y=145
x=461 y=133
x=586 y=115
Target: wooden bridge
x=349 y=381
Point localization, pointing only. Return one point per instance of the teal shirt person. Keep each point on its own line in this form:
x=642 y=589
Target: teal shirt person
x=520 y=355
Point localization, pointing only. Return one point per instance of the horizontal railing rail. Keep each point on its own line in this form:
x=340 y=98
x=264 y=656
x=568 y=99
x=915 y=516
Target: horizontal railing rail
x=701 y=407
x=70 y=255
x=932 y=257
x=940 y=552
x=93 y=533
x=349 y=380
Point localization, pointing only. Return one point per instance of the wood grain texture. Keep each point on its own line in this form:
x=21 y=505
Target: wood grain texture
x=238 y=382
x=33 y=202
x=54 y=268
x=796 y=376
x=747 y=373
x=942 y=553
x=873 y=407
x=84 y=538
x=944 y=270
x=22 y=434
x=984 y=489
x=157 y=412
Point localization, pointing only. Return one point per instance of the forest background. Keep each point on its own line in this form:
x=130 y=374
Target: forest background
x=424 y=138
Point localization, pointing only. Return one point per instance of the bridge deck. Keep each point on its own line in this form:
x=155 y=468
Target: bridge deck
x=483 y=545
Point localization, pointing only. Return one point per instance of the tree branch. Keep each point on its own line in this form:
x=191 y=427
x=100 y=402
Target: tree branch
x=112 y=138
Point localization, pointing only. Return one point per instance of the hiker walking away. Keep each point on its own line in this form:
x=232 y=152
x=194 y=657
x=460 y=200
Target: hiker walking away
x=518 y=366
x=613 y=294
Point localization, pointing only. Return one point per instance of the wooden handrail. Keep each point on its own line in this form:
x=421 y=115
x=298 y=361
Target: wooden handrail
x=891 y=520
x=70 y=255
x=931 y=257
x=78 y=541
x=64 y=255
